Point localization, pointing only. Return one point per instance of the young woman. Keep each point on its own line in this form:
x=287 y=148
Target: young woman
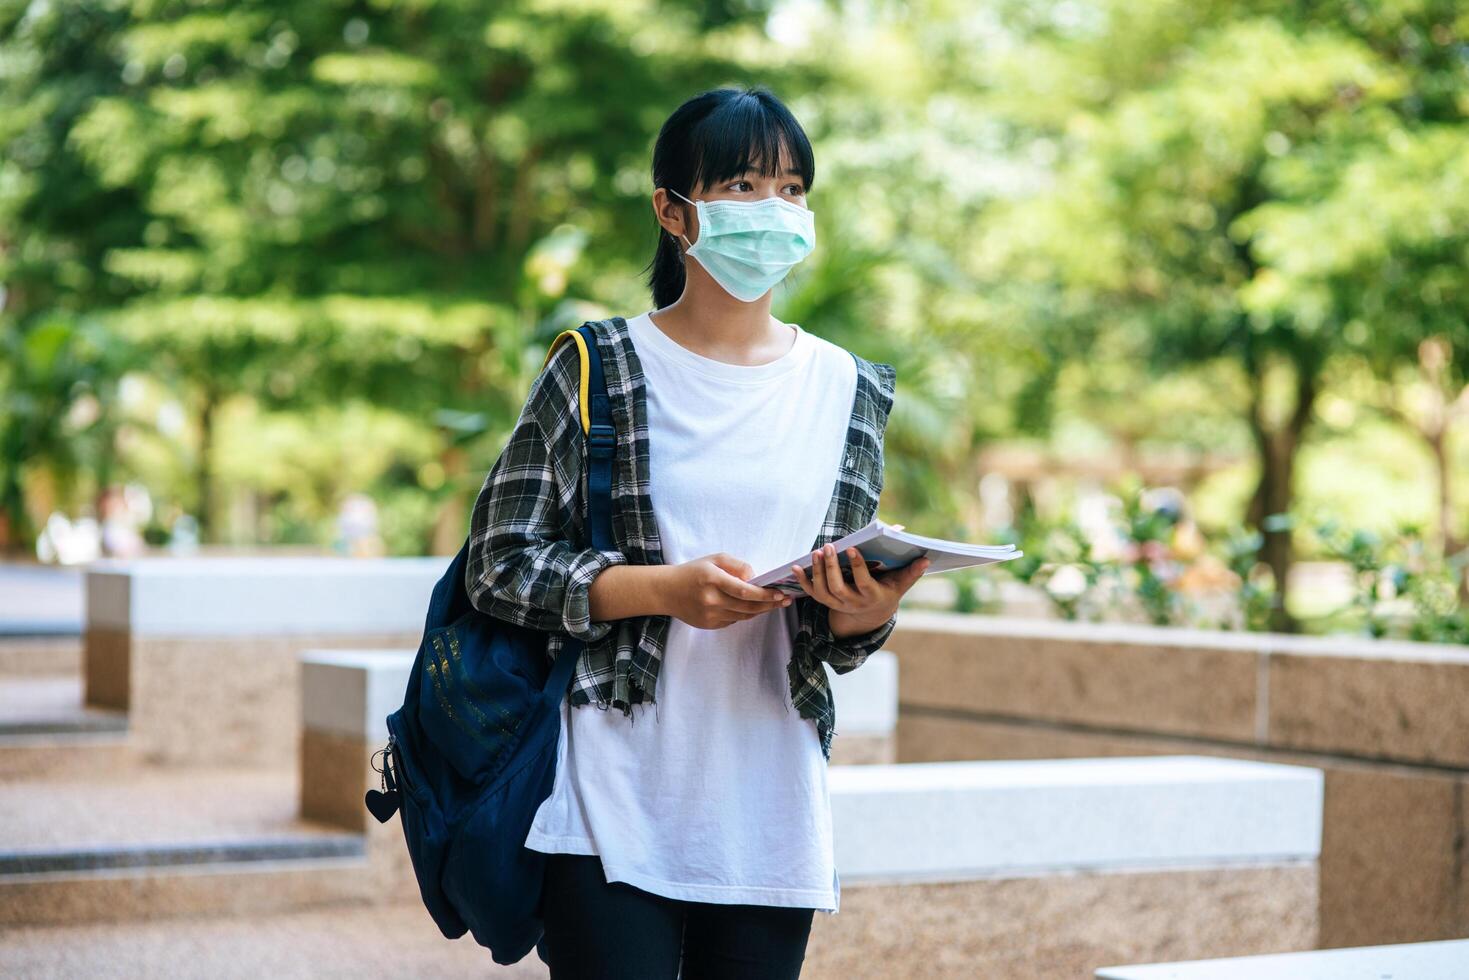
x=702 y=841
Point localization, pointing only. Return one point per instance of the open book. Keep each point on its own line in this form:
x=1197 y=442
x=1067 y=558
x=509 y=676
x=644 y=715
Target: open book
x=886 y=546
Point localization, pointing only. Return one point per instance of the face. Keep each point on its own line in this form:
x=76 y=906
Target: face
x=680 y=218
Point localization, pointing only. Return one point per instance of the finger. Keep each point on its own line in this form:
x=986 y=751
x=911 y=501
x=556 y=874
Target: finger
x=834 y=581
x=751 y=608
x=862 y=578
x=907 y=576
x=802 y=580
x=818 y=579
x=739 y=616
x=917 y=568
x=739 y=589
x=729 y=563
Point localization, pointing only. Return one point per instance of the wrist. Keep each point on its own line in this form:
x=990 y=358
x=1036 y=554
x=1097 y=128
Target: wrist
x=660 y=585
x=624 y=590
x=844 y=625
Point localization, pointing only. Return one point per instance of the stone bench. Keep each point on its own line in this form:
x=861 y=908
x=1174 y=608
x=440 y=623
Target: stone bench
x=202 y=653
x=1053 y=868
x=1446 y=960
x=1013 y=869
x=346 y=695
x=1386 y=722
x=867 y=711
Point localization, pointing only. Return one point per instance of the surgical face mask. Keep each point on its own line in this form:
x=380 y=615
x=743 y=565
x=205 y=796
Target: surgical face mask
x=749 y=246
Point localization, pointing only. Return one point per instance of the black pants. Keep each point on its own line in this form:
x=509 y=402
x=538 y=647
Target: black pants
x=613 y=930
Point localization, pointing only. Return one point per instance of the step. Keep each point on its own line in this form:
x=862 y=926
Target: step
x=164 y=841
x=42 y=705
x=398 y=940
x=226 y=888
x=195 y=853
x=45 y=730
x=151 y=806
x=55 y=653
x=61 y=756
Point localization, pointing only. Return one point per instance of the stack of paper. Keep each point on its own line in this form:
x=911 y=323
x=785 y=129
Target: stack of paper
x=887 y=546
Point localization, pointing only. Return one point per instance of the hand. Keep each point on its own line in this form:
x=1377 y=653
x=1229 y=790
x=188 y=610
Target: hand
x=869 y=601
x=711 y=592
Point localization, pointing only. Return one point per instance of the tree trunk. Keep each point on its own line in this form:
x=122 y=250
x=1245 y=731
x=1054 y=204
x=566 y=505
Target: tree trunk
x=203 y=467
x=1451 y=402
x=1438 y=445
x=1277 y=447
x=102 y=473
x=16 y=532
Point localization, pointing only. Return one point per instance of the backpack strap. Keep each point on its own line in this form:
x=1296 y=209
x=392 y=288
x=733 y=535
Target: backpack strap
x=588 y=347
x=601 y=436
x=598 y=429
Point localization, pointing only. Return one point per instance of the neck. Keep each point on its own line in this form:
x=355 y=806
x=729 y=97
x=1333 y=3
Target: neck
x=709 y=321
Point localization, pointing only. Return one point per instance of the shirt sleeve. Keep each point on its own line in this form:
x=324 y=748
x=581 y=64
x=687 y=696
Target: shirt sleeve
x=846 y=654
x=522 y=564
x=843 y=653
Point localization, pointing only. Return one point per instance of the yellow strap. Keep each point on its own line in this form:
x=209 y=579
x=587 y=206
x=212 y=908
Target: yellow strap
x=581 y=345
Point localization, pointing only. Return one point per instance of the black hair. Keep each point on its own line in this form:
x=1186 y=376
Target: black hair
x=713 y=137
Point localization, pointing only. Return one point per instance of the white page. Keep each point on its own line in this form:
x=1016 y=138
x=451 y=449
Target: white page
x=887 y=546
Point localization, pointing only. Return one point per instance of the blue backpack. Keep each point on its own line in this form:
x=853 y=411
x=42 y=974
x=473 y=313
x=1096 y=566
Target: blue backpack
x=471 y=755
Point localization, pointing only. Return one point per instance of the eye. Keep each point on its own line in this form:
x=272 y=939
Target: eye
x=799 y=190
x=738 y=182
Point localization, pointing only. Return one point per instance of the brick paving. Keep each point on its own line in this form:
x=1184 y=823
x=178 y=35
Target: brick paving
x=393 y=941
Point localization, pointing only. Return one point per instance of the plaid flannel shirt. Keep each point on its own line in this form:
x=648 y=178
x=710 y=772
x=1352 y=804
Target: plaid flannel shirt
x=525 y=566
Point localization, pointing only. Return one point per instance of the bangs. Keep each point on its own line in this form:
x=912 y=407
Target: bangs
x=749 y=133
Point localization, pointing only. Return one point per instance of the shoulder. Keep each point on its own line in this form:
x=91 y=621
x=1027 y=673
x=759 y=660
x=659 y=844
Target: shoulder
x=879 y=377
x=554 y=400
x=555 y=394
x=876 y=384
x=554 y=390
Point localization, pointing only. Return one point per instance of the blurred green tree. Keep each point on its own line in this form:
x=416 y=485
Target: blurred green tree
x=1209 y=200
x=310 y=204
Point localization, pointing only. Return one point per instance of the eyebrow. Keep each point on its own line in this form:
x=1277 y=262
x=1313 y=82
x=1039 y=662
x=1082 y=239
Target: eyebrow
x=788 y=173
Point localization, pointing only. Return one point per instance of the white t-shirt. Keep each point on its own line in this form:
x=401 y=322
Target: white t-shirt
x=719 y=794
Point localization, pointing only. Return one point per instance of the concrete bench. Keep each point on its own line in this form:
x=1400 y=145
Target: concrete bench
x=867 y=711
x=957 y=820
x=1446 y=960
x=201 y=653
x=346 y=697
x=1054 y=867
x=1014 y=869
x=347 y=694
x=1386 y=721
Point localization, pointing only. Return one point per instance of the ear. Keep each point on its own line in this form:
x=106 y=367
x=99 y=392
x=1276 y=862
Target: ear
x=670 y=212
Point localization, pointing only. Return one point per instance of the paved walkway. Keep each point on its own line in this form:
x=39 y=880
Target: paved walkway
x=148 y=805
x=353 y=944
